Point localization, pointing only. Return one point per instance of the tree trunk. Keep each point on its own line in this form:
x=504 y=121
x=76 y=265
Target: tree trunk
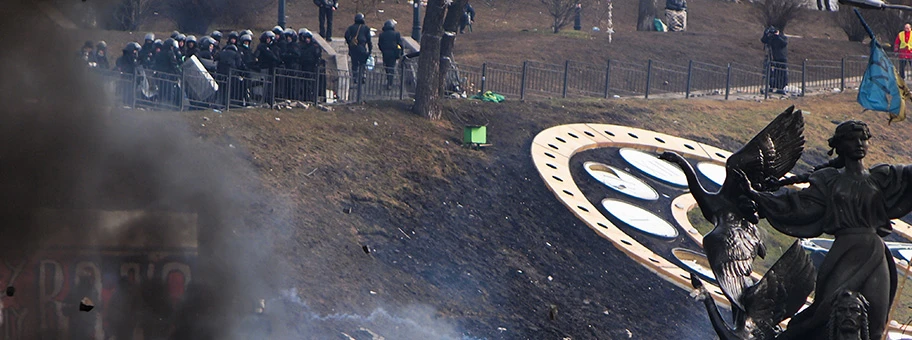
x=646 y=15
x=450 y=27
x=427 y=95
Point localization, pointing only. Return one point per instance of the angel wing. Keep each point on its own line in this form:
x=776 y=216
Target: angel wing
x=781 y=292
x=770 y=154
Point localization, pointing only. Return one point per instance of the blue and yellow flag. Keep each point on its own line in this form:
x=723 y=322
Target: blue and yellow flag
x=882 y=89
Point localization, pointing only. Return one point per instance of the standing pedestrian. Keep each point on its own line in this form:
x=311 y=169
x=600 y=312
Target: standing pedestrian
x=903 y=45
x=777 y=56
x=358 y=39
x=327 y=7
x=391 y=48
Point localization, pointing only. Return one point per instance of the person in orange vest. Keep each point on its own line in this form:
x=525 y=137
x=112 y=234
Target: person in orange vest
x=903 y=45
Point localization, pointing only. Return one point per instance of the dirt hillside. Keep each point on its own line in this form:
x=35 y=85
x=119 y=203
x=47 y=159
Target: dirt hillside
x=470 y=241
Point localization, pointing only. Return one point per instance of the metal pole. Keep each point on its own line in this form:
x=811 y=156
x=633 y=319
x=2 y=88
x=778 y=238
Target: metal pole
x=522 y=83
x=566 y=73
x=134 y=94
x=803 y=75
x=484 y=74
x=728 y=80
x=607 y=77
x=416 y=22
x=690 y=65
x=648 y=76
x=842 y=76
x=181 y=91
x=767 y=73
x=228 y=93
x=401 y=79
x=282 y=13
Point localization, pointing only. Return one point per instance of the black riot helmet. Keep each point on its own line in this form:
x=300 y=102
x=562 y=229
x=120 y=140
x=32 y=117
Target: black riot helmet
x=359 y=18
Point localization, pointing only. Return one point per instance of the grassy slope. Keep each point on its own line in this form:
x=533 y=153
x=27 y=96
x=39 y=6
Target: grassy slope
x=483 y=234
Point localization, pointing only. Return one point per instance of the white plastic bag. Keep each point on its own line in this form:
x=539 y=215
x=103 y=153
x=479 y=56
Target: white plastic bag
x=370 y=63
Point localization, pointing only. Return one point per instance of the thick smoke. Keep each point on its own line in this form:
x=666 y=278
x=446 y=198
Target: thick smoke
x=64 y=149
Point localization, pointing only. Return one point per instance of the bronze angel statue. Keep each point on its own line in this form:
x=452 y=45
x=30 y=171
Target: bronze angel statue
x=843 y=198
x=735 y=242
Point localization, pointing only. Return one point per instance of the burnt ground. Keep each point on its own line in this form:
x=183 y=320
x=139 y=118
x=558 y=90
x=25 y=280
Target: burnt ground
x=464 y=243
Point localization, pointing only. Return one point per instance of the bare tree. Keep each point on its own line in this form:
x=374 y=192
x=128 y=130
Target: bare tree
x=646 y=15
x=562 y=11
x=455 y=12
x=129 y=15
x=779 y=12
x=427 y=94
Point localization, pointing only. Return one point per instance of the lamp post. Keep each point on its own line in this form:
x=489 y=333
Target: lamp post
x=281 y=22
x=416 y=22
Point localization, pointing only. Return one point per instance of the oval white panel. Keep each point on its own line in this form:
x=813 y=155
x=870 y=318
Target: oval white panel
x=655 y=167
x=639 y=218
x=713 y=171
x=695 y=261
x=905 y=254
x=621 y=181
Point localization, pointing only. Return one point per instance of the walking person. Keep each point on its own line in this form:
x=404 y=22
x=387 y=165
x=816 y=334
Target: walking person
x=467 y=18
x=903 y=46
x=358 y=39
x=327 y=7
x=391 y=48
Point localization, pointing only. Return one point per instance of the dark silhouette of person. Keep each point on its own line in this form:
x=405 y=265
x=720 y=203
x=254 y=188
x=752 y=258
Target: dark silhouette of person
x=777 y=54
x=391 y=48
x=358 y=39
x=327 y=7
x=467 y=18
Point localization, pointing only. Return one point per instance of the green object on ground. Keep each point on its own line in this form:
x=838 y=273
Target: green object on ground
x=489 y=96
x=475 y=134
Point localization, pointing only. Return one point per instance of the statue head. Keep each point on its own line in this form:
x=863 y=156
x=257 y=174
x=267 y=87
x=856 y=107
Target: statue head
x=849 y=317
x=845 y=141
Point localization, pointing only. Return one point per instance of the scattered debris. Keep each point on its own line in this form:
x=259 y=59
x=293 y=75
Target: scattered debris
x=347 y=210
x=366 y=249
x=629 y=333
x=324 y=108
x=10 y=291
x=375 y=123
x=205 y=118
x=311 y=172
x=552 y=312
x=501 y=329
x=373 y=293
x=403 y=233
x=278 y=119
x=86 y=305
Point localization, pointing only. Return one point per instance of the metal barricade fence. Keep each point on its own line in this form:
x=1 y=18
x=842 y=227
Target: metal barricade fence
x=626 y=79
x=120 y=87
x=707 y=79
x=504 y=79
x=162 y=91
x=248 y=88
x=297 y=85
x=543 y=80
x=199 y=94
x=667 y=78
x=158 y=90
x=824 y=74
x=585 y=79
x=746 y=79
